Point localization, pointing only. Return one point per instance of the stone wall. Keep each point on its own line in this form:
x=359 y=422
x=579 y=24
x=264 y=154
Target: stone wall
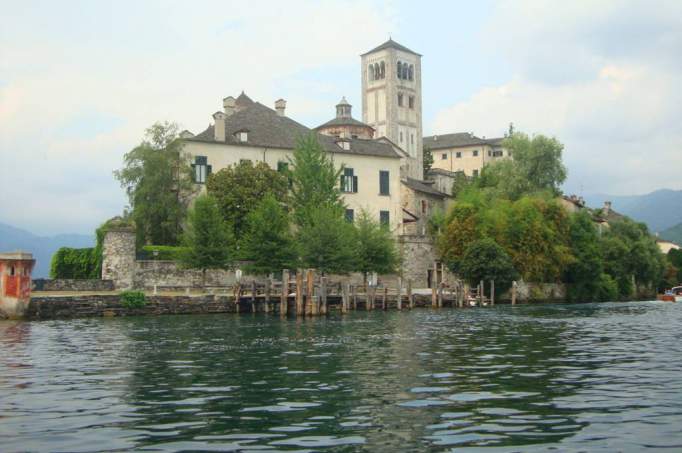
x=45 y=284
x=118 y=256
x=168 y=274
x=418 y=254
x=110 y=305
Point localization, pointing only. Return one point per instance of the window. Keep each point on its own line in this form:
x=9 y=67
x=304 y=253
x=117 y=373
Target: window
x=497 y=153
x=458 y=155
x=411 y=72
x=383 y=182
x=349 y=182
x=475 y=173
x=400 y=70
x=201 y=169
x=444 y=156
x=11 y=271
x=383 y=70
x=410 y=102
x=424 y=206
x=405 y=71
x=242 y=136
x=401 y=136
x=400 y=99
x=384 y=218
x=350 y=215
x=475 y=153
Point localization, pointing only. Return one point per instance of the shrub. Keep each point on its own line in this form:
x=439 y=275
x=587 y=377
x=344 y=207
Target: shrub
x=73 y=263
x=162 y=252
x=133 y=299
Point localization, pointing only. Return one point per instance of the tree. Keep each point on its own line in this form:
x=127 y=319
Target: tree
x=315 y=181
x=267 y=242
x=536 y=167
x=240 y=187
x=326 y=240
x=428 y=160
x=675 y=258
x=208 y=240
x=157 y=179
x=460 y=230
x=376 y=251
x=459 y=183
x=486 y=260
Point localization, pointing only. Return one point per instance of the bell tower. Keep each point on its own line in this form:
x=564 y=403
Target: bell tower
x=392 y=99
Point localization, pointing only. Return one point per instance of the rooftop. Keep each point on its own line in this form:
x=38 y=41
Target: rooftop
x=458 y=139
x=424 y=187
x=390 y=44
x=269 y=129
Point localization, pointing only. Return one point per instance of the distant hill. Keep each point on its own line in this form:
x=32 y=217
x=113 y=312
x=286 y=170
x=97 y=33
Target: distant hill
x=43 y=248
x=660 y=210
x=673 y=234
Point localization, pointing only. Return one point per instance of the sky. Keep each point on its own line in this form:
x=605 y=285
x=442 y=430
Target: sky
x=81 y=81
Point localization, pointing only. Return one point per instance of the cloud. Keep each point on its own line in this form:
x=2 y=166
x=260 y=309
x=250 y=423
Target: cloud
x=603 y=77
x=80 y=83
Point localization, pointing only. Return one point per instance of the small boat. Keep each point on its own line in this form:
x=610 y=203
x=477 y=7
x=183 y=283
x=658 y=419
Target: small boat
x=671 y=295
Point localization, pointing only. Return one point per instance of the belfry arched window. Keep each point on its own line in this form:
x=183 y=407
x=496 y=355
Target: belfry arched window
x=377 y=73
x=405 y=71
x=383 y=70
x=411 y=72
x=400 y=70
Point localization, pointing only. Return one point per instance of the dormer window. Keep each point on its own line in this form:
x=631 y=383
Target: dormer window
x=343 y=144
x=242 y=136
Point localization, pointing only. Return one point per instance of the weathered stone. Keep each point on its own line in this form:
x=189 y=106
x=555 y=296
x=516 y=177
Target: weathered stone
x=44 y=284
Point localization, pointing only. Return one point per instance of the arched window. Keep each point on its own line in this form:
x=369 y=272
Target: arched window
x=405 y=70
x=383 y=70
x=411 y=74
x=377 y=74
x=400 y=69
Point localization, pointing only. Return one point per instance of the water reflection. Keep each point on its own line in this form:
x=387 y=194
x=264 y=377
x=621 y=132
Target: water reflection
x=505 y=378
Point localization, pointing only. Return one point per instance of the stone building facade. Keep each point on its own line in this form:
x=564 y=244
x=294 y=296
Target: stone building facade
x=464 y=152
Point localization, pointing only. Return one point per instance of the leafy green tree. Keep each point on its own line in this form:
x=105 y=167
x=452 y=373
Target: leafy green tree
x=428 y=160
x=267 y=242
x=459 y=183
x=461 y=229
x=315 y=180
x=486 y=260
x=240 y=187
x=536 y=166
x=208 y=240
x=375 y=245
x=157 y=179
x=675 y=258
x=326 y=240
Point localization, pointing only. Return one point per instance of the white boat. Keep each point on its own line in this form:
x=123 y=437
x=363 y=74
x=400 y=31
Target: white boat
x=671 y=295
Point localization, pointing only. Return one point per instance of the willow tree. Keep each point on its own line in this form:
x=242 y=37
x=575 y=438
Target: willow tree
x=157 y=179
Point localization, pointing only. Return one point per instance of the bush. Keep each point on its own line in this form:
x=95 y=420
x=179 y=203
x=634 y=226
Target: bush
x=162 y=252
x=73 y=263
x=133 y=299
x=486 y=260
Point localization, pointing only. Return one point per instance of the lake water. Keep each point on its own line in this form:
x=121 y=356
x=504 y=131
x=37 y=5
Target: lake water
x=596 y=377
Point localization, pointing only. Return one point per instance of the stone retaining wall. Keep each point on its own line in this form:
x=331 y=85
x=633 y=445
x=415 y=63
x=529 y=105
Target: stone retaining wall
x=45 y=284
x=52 y=307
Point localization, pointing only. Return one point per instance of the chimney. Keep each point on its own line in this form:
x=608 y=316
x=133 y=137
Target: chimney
x=219 y=126
x=607 y=207
x=229 y=104
x=280 y=106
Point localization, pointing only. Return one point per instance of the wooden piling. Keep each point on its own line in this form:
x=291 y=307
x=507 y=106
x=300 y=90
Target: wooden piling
x=355 y=297
x=399 y=303
x=410 y=299
x=492 y=292
x=284 y=295
x=345 y=297
x=434 y=286
x=268 y=290
x=513 y=293
x=311 y=305
x=323 y=295
x=299 y=293
x=441 y=288
x=480 y=293
x=383 y=299
x=253 y=296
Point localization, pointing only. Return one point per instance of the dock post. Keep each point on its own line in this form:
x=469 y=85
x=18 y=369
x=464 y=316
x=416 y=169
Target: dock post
x=434 y=286
x=399 y=304
x=410 y=298
x=268 y=290
x=383 y=299
x=441 y=288
x=345 y=296
x=492 y=292
x=310 y=304
x=355 y=297
x=513 y=291
x=323 y=295
x=284 y=296
x=299 y=293
x=253 y=296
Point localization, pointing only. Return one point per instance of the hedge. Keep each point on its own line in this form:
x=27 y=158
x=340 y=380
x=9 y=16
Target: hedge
x=73 y=263
x=161 y=252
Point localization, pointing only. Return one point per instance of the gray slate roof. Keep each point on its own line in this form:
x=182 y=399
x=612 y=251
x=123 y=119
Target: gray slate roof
x=390 y=44
x=421 y=186
x=268 y=129
x=343 y=122
x=458 y=139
